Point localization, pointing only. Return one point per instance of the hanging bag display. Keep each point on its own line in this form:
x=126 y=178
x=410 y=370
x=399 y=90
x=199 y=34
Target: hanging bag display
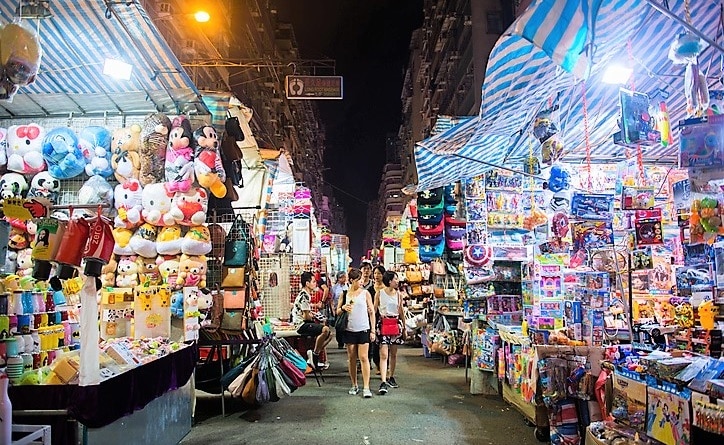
x=390 y=327
x=233 y=277
x=236 y=246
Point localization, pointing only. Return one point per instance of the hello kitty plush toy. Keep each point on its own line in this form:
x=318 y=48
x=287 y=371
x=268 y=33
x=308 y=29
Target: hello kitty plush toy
x=25 y=148
x=189 y=208
x=157 y=205
x=128 y=200
x=179 y=164
x=208 y=167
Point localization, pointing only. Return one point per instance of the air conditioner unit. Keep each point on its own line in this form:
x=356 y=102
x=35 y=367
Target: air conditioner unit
x=164 y=9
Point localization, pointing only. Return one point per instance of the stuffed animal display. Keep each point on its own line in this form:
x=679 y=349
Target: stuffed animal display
x=63 y=154
x=125 y=159
x=157 y=205
x=95 y=143
x=128 y=201
x=154 y=139
x=44 y=185
x=179 y=157
x=127 y=272
x=12 y=185
x=192 y=271
x=24 y=148
x=189 y=208
x=209 y=170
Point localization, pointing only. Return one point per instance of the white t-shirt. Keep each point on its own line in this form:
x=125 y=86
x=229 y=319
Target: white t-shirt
x=359 y=319
x=301 y=304
x=389 y=304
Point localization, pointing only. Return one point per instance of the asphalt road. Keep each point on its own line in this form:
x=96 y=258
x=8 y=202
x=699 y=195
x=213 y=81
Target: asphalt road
x=432 y=406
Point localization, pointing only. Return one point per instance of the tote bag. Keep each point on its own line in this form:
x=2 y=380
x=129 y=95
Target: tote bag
x=236 y=246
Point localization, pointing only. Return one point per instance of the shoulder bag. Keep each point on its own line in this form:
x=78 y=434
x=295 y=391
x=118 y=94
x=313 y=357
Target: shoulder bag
x=340 y=323
x=233 y=277
x=236 y=246
x=390 y=327
x=235 y=298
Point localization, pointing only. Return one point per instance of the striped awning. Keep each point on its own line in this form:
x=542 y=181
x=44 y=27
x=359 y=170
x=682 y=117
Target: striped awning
x=77 y=39
x=218 y=105
x=554 y=52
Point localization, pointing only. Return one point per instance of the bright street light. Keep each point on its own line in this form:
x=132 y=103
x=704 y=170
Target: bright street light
x=202 y=16
x=117 y=69
x=616 y=74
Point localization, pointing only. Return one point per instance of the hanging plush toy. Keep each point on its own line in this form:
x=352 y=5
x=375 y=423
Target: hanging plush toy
x=559 y=179
x=154 y=138
x=128 y=200
x=20 y=54
x=197 y=241
x=63 y=154
x=179 y=157
x=192 y=271
x=208 y=167
x=44 y=185
x=96 y=190
x=12 y=185
x=685 y=50
x=169 y=240
x=24 y=151
x=95 y=143
x=189 y=208
x=156 y=205
x=143 y=241
x=125 y=160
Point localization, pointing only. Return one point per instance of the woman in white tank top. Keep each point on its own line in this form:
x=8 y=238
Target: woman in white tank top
x=357 y=301
x=388 y=303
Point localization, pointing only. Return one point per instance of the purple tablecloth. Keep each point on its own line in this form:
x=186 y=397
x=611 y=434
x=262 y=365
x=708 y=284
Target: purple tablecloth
x=99 y=405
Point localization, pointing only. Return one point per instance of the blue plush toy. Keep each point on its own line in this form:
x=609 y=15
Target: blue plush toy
x=177 y=304
x=62 y=153
x=559 y=179
x=95 y=143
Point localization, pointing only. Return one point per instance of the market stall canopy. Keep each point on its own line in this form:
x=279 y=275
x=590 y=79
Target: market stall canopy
x=76 y=41
x=553 y=53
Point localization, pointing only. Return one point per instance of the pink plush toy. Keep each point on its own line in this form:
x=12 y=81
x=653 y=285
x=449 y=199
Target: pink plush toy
x=189 y=208
x=179 y=157
x=24 y=149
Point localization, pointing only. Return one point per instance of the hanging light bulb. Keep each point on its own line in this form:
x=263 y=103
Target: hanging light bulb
x=616 y=74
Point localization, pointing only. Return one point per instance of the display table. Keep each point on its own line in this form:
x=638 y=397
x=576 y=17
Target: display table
x=99 y=405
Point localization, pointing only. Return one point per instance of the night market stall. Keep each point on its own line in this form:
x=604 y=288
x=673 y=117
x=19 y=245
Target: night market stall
x=591 y=183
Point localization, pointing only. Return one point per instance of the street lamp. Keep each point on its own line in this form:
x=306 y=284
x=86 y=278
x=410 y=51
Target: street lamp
x=202 y=16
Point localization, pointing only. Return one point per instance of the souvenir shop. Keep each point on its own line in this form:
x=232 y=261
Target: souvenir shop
x=590 y=249
x=129 y=242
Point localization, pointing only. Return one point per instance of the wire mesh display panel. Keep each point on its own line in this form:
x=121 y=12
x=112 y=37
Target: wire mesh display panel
x=274 y=285
x=225 y=218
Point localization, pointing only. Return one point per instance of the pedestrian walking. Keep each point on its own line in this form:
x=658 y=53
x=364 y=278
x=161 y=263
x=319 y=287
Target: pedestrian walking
x=390 y=330
x=358 y=304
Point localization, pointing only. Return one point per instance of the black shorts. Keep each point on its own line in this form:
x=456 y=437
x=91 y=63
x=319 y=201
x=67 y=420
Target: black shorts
x=310 y=329
x=356 y=337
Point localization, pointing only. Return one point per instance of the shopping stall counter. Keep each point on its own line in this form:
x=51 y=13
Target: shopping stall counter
x=117 y=399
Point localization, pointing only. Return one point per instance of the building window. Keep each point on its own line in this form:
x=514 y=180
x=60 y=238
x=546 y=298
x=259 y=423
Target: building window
x=495 y=22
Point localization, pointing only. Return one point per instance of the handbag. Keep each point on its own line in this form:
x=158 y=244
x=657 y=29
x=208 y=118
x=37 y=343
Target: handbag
x=390 y=327
x=232 y=277
x=233 y=321
x=236 y=246
x=216 y=312
x=262 y=390
x=413 y=276
x=235 y=298
x=291 y=371
x=217 y=234
x=296 y=359
x=340 y=323
x=249 y=392
x=437 y=267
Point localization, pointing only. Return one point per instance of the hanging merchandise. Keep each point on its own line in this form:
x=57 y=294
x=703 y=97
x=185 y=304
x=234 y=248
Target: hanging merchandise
x=21 y=53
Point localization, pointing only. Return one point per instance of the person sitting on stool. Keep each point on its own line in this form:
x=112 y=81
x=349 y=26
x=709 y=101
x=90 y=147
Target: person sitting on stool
x=304 y=321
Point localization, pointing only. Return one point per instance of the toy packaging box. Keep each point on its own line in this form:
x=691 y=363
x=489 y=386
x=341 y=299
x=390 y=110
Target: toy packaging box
x=668 y=419
x=116 y=312
x=701 y=142
x=629 y=401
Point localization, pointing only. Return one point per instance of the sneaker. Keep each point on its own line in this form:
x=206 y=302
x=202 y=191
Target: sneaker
x=383 y=388
x=313 y=359
x=326 y=366
x=353 y=391
x=366 y=393
x=392 y=383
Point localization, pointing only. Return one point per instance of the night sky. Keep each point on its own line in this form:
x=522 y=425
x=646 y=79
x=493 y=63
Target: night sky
x=369 y=40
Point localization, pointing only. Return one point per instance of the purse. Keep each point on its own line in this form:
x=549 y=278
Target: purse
x=236 y=246
x=340 y=323
x=232 y=277
x=235 y=298
x=216 y=312
x=390 y=327
x=249 y=392
x=233 y=321
x=437 y=267
x=413 y=276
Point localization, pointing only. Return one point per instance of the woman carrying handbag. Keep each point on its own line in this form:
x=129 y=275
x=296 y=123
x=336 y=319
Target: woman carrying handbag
x=388 y=304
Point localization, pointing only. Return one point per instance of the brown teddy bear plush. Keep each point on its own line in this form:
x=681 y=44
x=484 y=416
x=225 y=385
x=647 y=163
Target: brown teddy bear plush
x=125 y=159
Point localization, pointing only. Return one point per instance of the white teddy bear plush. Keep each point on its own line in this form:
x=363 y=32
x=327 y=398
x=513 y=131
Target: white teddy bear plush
x=25 y=148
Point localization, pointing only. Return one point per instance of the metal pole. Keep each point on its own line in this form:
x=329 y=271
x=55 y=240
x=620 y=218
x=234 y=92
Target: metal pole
x=683 y=23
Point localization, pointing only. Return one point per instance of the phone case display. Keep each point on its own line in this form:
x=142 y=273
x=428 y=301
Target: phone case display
x=152 y=311
x=116 y=312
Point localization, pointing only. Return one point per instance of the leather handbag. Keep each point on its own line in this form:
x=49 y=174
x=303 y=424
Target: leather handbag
x=218 y=238
x=291 y=371
x=235 y=298
x=296 y=359
x=413 y=276
x=437 y=267
x=390 y=327
x=233 y=321
x=249 y=392
x=216 y=312
x=236 y=246
x=233 y=277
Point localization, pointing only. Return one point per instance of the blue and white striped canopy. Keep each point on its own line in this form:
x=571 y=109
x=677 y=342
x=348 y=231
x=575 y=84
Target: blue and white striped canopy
x=548 y=56
x=77 y=40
